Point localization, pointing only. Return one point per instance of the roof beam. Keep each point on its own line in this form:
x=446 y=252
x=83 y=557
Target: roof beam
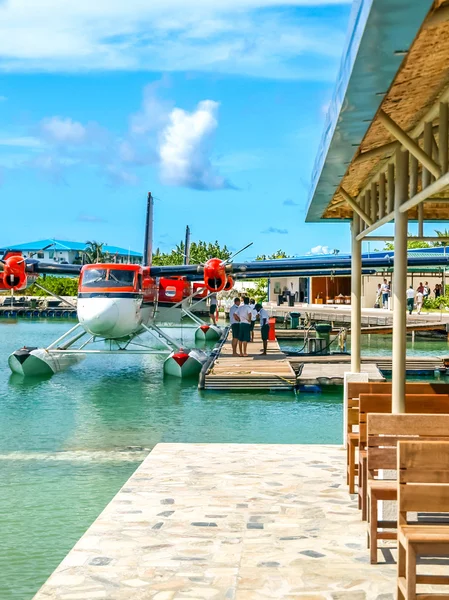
x=409 y=143
x=355 y=207
x=426 y=193
x=389 y=148
x=422 y=196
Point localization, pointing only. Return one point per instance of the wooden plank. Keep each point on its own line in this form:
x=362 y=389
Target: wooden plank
x=381 y=425
x=424 y=455
x=256 y=371
x=424 y=497
x=357 y=388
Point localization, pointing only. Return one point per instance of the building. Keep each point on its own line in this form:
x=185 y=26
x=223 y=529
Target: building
x=71 y=252
x=323 y=287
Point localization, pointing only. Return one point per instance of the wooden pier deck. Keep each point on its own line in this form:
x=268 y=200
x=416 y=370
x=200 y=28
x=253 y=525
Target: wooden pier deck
x=298 y=334
x=322 y=370
x=316 y=373
x=255 y=372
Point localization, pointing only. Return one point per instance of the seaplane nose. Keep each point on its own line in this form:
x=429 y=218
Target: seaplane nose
x=99 y=317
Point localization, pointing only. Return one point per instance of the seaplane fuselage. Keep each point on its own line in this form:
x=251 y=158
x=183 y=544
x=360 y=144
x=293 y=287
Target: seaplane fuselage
x=115 y=301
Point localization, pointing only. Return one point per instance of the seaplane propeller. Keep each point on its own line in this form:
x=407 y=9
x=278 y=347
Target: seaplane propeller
x=216 y=277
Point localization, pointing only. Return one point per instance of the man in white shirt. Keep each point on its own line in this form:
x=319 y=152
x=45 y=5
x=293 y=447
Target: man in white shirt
x=410 y=299
x=245 y=315
x=252 y=304
x=235 y=324
x=264 y=326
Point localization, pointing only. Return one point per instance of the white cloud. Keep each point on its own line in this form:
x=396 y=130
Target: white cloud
x=85 y=218
x=24 y=141
x=62 y=130
x=154 y=112
x=185 y=148
x=256 y=37
x=275 y=230
x=320 y=250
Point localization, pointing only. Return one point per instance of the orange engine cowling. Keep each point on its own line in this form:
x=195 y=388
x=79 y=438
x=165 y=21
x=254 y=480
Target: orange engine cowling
x=215 y=277
x=14 y=276
x=229 y=284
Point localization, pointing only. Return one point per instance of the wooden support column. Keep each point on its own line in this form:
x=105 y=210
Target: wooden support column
x=382 y=197
x=400 y=284
x=390 y=183
x=443 y=137
x=374 y=202
x=356 y=297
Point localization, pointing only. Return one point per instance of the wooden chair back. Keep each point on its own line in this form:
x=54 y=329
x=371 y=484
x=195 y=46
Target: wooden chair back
x=414 y=403
x=356 y=388
x=353 y=414
x=385 y=431
x=423 y=474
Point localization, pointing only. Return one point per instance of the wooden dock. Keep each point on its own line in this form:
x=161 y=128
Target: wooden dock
x=255 y=372
x=337 y=364
x=299 y=334
x=316 y=373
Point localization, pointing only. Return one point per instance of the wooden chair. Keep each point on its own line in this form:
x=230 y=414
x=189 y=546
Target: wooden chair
x=352 y=434
x=423 y=474
x=384 y=433
x=381 y=403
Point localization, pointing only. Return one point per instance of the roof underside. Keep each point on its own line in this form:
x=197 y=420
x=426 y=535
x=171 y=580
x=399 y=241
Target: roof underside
x=397 y=60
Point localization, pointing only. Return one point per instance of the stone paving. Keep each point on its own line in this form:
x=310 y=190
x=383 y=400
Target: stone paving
x=231 y=522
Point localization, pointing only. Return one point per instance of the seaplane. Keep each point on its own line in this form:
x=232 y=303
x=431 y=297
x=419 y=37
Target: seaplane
x=118 y=303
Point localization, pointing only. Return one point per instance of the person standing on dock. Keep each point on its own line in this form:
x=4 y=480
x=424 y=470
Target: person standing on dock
x=252 y=304
x=385 y=293
x=264 y=326
x=245 y=315
x=235 y=324
x=410 y=299
x=213 y=307
x=419 y=300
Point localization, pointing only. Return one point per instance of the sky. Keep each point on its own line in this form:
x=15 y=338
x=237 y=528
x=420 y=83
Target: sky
x=215 y=106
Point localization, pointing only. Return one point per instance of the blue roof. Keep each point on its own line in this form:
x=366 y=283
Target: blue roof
x=379 y=29
x=66 y=245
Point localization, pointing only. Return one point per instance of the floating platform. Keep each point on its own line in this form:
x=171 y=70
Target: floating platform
x=326 y=364
x=299 y=334
x=255 y=372
x=14 y=312
x=315 y=373
x=228 y=521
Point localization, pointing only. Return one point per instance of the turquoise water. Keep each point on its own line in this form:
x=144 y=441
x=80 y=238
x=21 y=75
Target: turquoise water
x=68 y=443
x=381 y=345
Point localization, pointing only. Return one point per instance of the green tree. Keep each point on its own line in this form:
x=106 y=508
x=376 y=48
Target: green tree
x=200 y=252
x=276 y=255
x=411 y=244
x=445 y=234
x=94 y=253
x=62 y=286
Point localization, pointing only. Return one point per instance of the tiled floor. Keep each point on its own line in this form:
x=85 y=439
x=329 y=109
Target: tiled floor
x=227 y=521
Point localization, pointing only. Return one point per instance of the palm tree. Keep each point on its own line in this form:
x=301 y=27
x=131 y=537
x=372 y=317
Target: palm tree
x=93 y=253
x=442 y=234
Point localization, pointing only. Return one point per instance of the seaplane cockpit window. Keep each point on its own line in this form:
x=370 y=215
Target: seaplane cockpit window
x=94 y=277
x=121 y=278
